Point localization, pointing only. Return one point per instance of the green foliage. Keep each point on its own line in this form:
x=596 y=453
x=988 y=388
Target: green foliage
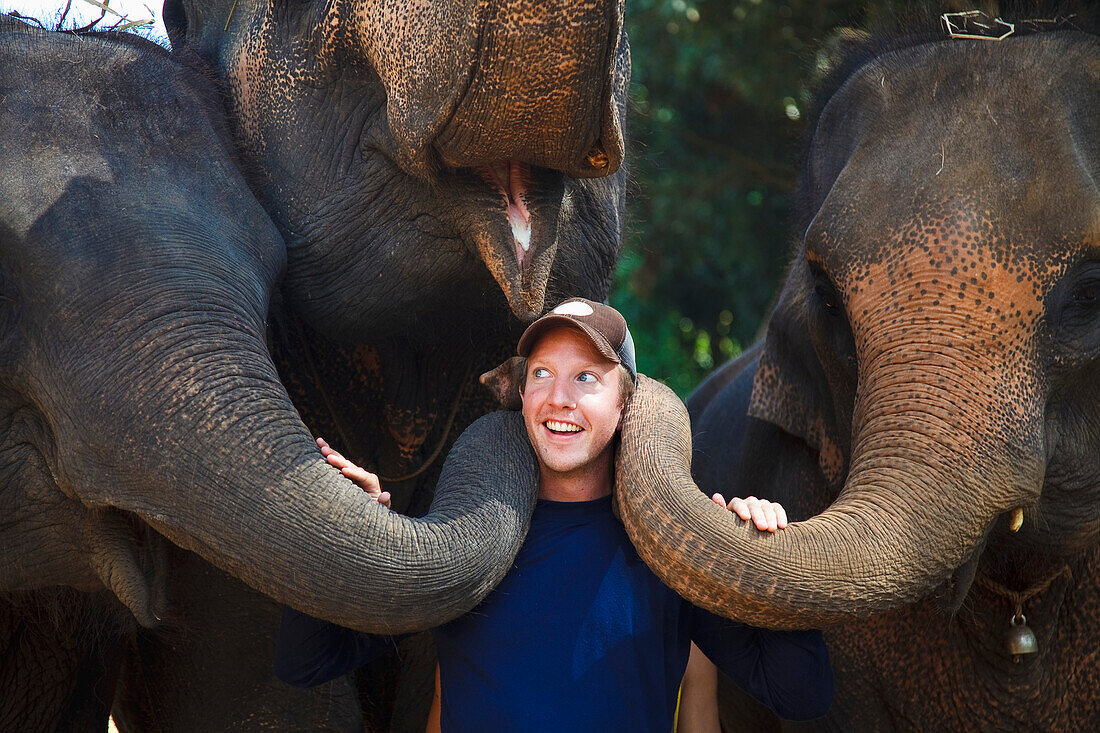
x=720 y=90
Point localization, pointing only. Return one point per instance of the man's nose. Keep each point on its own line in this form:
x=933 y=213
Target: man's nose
x=562 y=394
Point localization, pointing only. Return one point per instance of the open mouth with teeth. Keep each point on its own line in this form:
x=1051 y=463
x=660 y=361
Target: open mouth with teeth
x=562 y=428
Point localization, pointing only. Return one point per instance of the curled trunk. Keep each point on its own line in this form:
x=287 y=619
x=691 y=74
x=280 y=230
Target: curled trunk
x=870 y=551
x=484 y=82
x=318 y=543
x=230 y=472
x=542 y=90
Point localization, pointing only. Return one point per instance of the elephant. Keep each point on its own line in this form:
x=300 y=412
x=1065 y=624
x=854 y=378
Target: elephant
x=483 y=137
x=146 y=435
x=925 y=401
x=438 y=172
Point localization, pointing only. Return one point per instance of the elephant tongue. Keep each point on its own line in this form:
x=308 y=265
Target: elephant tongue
x=511 y=178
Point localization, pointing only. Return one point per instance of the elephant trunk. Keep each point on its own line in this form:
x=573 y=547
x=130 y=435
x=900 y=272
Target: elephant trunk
x=226 y=469
x=906 y=519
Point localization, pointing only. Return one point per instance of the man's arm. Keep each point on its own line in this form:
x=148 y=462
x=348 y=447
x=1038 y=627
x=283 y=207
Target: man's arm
x=698 y=708
x=787 y=671
x=309 y=651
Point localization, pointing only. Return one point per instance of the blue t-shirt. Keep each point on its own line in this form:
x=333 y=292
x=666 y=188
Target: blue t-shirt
x=580 y=635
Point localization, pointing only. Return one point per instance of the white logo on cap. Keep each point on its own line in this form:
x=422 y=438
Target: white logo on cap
x=574 y=308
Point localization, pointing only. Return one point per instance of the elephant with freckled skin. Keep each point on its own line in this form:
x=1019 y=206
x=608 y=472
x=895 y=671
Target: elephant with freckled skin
x=926 y=399
x=139 y=403
x=438 y=172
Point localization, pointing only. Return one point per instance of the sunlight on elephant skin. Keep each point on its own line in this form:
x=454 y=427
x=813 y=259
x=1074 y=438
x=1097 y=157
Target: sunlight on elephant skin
x=925 y=400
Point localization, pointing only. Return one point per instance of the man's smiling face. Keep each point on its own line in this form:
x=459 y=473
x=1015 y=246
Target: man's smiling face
x=572 y=405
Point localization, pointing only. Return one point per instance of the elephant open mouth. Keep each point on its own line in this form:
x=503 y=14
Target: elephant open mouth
x=515 y=229
x=511 y=178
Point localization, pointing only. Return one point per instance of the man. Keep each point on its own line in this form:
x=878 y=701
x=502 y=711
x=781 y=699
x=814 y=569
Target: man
x=580 y=635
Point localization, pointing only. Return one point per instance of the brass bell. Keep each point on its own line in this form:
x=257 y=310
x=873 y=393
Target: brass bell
x=1021 y=639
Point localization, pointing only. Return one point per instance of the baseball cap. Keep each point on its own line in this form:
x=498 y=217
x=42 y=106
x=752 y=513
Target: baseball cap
x=602 y=324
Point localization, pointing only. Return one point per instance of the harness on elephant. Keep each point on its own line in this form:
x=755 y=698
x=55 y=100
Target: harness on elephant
x=345 y=435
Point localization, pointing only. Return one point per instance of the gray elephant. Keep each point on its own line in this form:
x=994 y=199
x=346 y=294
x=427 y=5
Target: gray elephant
x=433 y=193
x=439 y=172
x=927 y=397
x=139 y=400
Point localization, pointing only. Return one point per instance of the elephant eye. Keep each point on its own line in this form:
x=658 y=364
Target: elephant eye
x=1081 y=308
x=1085 y=295
x=1081 y=305
x=827 y=296
x=1078 y=318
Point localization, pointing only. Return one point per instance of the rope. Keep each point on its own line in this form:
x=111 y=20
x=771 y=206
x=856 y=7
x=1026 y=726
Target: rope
x=446 y=432
x=1019 y=598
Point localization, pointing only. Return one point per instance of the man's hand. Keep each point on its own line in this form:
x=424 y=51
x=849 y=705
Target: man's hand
x=768 y=516
x=361 y=477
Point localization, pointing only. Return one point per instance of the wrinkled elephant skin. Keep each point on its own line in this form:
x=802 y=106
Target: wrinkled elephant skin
x=414 y=152
x=926 y=400
x=139 y=402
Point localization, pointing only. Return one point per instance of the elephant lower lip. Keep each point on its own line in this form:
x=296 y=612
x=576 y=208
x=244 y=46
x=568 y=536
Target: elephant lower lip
x=511 y=179
x=510 y=218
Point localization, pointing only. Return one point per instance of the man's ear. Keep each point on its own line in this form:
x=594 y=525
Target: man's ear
x=505 y=382
x=791 y=389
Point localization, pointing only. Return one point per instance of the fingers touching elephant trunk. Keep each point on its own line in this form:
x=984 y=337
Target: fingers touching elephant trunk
x=873 y=549
x=208 y=450
x=295 y=529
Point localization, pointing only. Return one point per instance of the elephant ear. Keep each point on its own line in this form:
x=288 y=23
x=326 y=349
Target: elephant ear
x=794 y=388
x=504 y=381
x=791 y=389
x=198 y=25
x=52 y=539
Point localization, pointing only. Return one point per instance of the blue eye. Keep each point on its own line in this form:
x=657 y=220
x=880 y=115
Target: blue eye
x=540 y=372
x=587 y=377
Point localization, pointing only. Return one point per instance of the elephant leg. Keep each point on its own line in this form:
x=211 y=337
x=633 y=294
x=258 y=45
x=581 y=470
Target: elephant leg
x=210 y=666
x=60 y=651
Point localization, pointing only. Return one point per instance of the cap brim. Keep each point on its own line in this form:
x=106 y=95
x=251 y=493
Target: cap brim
x=539 y=328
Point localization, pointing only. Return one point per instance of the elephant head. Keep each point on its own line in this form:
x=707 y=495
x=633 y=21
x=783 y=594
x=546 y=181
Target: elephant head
x=441 y=144
x=936 y=347
x=136 y=387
